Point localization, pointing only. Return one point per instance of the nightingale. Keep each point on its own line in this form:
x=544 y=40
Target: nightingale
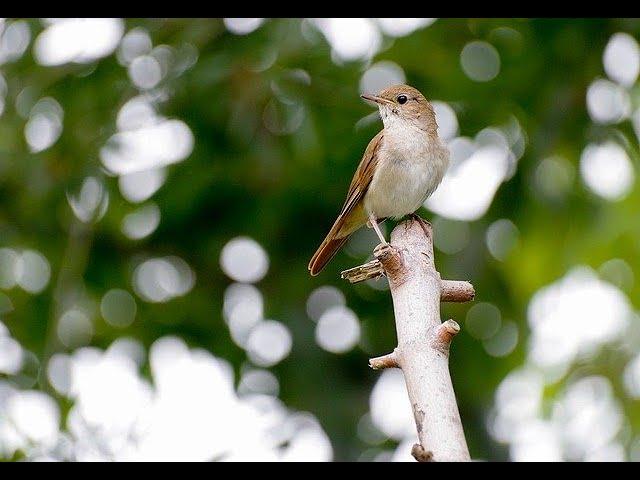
x=402 y=165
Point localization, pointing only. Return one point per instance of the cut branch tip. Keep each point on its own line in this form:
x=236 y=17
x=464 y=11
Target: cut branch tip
x=390 y=360
x=444 y=334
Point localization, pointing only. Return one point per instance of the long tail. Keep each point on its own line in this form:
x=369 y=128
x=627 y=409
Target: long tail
x=327 y=249
x=343 y=227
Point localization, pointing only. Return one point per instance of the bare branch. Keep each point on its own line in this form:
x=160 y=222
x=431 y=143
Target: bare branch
x=361 y=273
x=423 y=341
x=390 y=360
x=457 y=291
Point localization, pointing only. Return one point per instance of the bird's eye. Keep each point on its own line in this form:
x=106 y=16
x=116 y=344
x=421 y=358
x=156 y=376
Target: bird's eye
x=402 y=99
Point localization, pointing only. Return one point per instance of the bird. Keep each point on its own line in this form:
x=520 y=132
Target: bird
x=401 y=167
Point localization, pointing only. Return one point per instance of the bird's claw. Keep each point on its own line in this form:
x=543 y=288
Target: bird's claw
x=380 y=249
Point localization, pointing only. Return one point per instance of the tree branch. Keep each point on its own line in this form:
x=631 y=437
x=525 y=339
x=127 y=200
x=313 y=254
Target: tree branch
x=456 y=291
x=390 y=360
x=423 y=341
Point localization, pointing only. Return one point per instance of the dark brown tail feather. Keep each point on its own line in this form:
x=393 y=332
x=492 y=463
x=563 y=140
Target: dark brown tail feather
x=336 y=238
x=325 y=252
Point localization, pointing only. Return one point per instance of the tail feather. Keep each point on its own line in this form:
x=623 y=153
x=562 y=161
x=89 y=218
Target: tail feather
x=325 y=252
x=343 y=227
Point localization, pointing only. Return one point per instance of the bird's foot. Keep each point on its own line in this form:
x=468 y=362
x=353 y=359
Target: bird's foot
x=381 y=249
x=426 y=226
x=418 y=218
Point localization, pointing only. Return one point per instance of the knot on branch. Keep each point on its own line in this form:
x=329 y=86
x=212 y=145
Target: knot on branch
x=391 y=261
x=443 y=335
x=420 y=454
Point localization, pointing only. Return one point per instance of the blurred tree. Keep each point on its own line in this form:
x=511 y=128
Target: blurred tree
x=170 y=178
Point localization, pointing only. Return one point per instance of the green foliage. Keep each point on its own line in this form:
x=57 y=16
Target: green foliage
x=284 y=190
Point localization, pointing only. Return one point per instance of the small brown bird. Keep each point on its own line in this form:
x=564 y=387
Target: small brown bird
x=402 y=165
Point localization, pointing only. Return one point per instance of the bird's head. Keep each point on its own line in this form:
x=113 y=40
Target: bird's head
x=404 y=104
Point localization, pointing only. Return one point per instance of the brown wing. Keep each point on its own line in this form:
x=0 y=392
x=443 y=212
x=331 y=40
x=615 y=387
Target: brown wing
x=364 y=174
x=352 y=216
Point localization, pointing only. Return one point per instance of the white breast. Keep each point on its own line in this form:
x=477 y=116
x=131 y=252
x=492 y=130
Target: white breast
x=410 y=168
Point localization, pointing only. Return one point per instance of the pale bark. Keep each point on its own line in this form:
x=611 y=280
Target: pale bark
x=423 y=341
x=451 y=291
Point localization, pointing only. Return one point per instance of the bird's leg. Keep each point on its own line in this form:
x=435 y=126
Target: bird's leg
x=373 y=223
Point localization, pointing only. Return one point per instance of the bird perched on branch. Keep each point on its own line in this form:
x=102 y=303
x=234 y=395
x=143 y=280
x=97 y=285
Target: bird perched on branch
x=402 y=165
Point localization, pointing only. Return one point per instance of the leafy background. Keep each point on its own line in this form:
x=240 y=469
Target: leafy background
x=167 y=143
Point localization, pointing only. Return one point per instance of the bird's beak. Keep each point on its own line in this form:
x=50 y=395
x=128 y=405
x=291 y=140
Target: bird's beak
x=375 y=98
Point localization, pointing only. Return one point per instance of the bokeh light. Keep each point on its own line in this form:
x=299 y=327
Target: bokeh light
x=162 y=279
x=118 y=307
x=30 y=270
x=450 y=236
x=621 y=59
x=381 y=75
x=554 y=177
x=10 y=355
x=350 y=38
x=594 y=311
x=472 y=180
x=631 y=377
x=14 y=40
x=389 y=406
x=483 y=320
x=91 y=202
x=618 y=272
x=8 y=262
x=588 y=417
x=243 y=309
x=399 y=27
x=59 y=373
x=137 y=152
x=503 y=342
x=446 y=119
x=480 y=61
x=134 y=44
x=142 y=222
x=607 y=102
x=157 y=145
x=258 y=381
x=322 y=299
x=79 y=40
x=75 y=328
x=145 y=72
x=244 y=260
x=269 y=343
x=118 y=415
x=44 y=126
x=3 y=92
x=607 y=170
x=338 y=329
x=242 y=26
x=140 y=186
x=35 y=416
x=501 y=237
